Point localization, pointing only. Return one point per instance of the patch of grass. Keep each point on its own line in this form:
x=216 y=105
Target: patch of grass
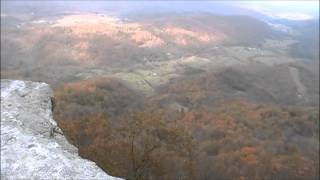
x=136 y=81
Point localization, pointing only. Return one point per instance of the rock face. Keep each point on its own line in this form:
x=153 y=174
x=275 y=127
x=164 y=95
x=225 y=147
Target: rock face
x=32 y=145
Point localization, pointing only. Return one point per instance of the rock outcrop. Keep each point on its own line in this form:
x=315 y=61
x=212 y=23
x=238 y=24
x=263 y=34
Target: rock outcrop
x=32 y=145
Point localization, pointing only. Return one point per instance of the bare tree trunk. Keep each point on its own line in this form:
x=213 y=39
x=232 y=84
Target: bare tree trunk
x=133 y=161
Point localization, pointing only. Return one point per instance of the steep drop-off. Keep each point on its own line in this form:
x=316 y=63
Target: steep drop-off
x=32 y=145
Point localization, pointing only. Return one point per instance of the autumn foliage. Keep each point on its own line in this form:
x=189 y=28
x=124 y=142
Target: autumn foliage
x=135 y=138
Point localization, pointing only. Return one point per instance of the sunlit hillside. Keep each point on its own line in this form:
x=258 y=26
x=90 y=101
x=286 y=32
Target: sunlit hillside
x=187 y=92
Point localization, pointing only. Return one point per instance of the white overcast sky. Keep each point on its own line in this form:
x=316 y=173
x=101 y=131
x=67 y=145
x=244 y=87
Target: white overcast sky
x=298 y=10
x=286 y=9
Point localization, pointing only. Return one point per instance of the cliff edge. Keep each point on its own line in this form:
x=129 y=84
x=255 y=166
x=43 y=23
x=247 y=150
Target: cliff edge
x=32 y=145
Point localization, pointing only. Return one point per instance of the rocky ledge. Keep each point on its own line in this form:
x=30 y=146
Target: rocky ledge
x=32 y=145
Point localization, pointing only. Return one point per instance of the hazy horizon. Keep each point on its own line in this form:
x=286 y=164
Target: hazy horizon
x=291 y=10
x=171 y=89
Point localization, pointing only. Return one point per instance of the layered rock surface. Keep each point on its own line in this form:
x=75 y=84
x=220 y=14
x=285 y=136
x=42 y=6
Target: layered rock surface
x=32 y=145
